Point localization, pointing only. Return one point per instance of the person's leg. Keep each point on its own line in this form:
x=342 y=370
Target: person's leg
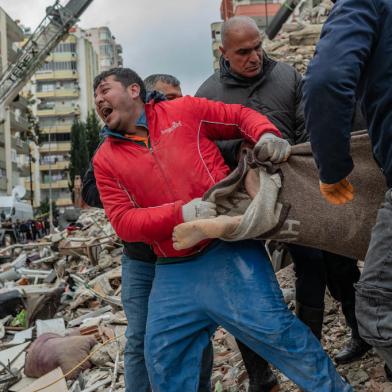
x=241 y=293
x=310 y=286
x=137 y=277
x=342 y=274
x=178 y=330
x=261 y=377
x=374 y=289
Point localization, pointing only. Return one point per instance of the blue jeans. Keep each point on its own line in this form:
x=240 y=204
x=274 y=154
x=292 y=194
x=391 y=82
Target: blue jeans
x=374 y=289
x=137 y=278
x=232 y=285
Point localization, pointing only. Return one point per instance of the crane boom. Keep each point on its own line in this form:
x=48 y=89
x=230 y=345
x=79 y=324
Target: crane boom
x=46 y=36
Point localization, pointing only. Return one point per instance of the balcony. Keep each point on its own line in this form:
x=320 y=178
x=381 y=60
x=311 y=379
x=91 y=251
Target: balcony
x=19 y=123
x=56 y=75
x=62 y=56
x=64 y=202
x=21 y=146
x=60 y=184
x=59 y=111
x=20 y=102
x=59 y=93
x=63 y=128
x=63 y=165
x=3 y=184
x=56 y=147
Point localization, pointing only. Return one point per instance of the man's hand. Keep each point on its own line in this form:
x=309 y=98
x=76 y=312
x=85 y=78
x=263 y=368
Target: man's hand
x=339 y=193
x=198 y=209
x=272 y=148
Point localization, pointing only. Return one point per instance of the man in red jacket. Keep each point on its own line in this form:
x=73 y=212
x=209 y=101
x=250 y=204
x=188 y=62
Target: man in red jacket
x=151 y=171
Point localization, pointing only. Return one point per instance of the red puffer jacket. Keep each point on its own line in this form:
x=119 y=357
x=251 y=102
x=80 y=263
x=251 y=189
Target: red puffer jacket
x=143 y=189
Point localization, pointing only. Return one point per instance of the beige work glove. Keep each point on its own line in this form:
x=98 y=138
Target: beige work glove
x=272 y=148
x=198 y=209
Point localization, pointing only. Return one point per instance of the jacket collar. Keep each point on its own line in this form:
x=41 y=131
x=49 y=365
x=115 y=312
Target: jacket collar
x=230 y=78
x=152 y=98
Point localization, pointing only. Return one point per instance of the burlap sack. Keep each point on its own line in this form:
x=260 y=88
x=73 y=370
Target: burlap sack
x=289 y=206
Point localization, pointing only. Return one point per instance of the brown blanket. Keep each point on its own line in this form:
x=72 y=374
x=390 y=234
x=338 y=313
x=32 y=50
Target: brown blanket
x=289 y=207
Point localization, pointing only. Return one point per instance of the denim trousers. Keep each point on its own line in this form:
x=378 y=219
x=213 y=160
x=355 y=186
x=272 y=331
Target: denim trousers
x=374 y=289
x=137 y=278
x=232 y=285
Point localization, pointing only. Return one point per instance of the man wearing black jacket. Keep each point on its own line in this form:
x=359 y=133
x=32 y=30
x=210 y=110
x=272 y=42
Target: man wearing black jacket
x=249 y=77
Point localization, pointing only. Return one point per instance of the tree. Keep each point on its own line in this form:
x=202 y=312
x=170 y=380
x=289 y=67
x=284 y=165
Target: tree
x=79 y=153
x=93 y=128
x=44 y=208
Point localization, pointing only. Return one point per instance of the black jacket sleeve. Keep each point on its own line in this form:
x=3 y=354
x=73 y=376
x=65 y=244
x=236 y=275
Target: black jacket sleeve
x=301 y=136
x=90 y=193
x=230 y=151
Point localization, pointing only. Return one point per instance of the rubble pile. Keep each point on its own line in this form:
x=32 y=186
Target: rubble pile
x=61 y=321
x=62 y=325
x=296 y=42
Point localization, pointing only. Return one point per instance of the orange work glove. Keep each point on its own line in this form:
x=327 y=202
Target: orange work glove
x=339 y=193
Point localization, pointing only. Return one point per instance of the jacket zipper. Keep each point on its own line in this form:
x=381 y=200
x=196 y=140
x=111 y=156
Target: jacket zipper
x=160 y=168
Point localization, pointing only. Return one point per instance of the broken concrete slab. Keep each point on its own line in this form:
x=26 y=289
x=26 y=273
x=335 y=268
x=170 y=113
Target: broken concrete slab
x=11 y=354
x=56 y=326
x=96 y=313
x=53 y=381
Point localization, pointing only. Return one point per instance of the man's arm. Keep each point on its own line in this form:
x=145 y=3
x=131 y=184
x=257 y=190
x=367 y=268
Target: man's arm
x=130 y=223
x=90 y=193
x=331 y=81
x=301 y=136
x=219 y=121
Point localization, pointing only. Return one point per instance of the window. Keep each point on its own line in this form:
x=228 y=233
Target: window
x=104 y=35
x=45 y=87
x=106 y=50
x=56 y=137
x=46 y=105
x=46 y=159
x=65 y=47
x=59 y=66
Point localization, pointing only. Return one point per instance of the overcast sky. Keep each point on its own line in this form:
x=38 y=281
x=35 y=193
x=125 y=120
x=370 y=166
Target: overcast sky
x=171 y=36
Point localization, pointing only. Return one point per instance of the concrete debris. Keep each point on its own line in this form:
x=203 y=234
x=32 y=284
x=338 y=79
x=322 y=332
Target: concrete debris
x=296 y=42
x=62 y=292
x=61 y=295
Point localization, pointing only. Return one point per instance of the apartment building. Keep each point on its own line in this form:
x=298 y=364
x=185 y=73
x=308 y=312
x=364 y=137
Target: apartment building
x=63 y=88
x=105 y=45
x=14 y=124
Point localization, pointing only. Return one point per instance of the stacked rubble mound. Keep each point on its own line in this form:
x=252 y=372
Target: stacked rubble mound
x=296 y=42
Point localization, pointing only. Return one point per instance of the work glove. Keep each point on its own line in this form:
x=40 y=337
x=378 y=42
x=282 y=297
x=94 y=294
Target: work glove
x=198 y=209
x=272 y=148
x=339 y=193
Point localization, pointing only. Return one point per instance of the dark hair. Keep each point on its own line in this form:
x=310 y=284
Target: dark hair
x=152 y=80
x=125 y=76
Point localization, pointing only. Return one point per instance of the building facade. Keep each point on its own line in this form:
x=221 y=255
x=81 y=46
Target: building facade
x=108 y=51
x=63 y=88
x=14 y=124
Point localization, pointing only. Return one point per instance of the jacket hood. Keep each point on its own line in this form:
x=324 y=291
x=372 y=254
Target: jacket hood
x=229 y=77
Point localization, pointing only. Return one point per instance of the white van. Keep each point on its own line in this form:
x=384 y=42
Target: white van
x=14 y=208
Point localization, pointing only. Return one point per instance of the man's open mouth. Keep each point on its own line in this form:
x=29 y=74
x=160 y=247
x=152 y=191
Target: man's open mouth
x=106 y=112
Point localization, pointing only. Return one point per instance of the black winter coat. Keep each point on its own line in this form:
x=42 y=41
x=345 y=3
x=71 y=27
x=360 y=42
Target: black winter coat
x=276 y=93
